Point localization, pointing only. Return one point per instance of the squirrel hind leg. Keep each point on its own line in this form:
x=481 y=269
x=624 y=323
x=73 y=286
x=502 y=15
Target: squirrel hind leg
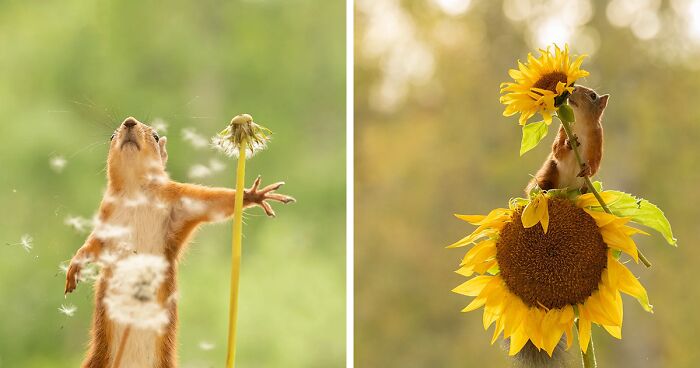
x=547 y=177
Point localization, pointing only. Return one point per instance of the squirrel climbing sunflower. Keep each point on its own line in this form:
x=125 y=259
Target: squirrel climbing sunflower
x=552 y=263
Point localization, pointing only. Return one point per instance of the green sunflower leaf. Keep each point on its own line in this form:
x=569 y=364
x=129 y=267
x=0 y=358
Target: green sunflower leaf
x=533 y=133
x=642 y=212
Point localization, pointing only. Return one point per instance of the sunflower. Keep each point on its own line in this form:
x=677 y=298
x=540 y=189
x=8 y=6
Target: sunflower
x=541 y=84
x=534 y=281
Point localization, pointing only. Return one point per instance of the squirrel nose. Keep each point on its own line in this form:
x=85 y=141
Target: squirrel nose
x=129 y=122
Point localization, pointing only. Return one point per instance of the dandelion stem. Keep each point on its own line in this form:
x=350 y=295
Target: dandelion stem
x=122 y=345
x=236 y=240
x=589 y=184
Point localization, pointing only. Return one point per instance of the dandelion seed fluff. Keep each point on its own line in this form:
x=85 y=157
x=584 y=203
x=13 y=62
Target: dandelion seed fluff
x=131 y=296
x=26 y=242
x=194 y=138
x=57 y=163
x=199 y=171
x=68 y=310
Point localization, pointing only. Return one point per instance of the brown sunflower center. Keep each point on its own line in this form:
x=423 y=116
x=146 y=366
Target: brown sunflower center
x=555 y=269
x=549 y=81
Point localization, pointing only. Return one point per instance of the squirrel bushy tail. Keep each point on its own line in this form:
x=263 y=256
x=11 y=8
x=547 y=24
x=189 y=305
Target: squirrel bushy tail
x=530 y=357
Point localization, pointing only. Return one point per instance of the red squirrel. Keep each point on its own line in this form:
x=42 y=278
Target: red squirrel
x=157 y=216
x=561 y=170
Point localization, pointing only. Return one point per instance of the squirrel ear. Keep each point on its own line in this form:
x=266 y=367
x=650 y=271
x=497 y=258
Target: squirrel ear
x=603 y=101
x=163 y=152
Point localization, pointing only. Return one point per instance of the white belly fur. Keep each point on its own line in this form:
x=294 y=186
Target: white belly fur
x=147 y=226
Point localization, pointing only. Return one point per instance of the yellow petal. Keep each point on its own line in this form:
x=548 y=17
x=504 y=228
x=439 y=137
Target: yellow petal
x=517 y=340
x=535 y=211
x=497 y=214
x=629 y=284
x=474 y=286
x=480 y=252
x=589 y=199
x=615 y=238
x=584 y=333
x=615 y=331
x=477 y=303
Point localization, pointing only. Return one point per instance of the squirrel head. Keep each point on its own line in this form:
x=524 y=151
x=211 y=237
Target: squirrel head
x=587 y=104
x=137 y=155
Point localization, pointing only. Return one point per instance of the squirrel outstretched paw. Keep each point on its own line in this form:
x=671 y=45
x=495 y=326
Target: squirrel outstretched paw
x=261 y=196
x=72 y=277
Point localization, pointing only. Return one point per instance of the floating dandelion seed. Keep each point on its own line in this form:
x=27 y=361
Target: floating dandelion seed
x=131 y=296
x=79 y=224
x=68 y=310
x=159 y=125
x=194 y=138
x=57 y=163
x=63 y=267
x=104 y=231
x=216 y=165
x=26 y=242
x=199 y=171
x=206 y=345
x=242 y=132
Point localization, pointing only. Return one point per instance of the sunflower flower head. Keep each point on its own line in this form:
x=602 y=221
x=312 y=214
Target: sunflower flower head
x=541 y=84
x=546 y=262
x=242 y=133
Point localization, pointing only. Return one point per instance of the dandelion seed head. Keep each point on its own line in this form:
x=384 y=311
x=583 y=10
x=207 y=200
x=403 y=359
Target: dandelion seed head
x=241 y=133
x=68 y=310
x=131 y=296
x=57 y=163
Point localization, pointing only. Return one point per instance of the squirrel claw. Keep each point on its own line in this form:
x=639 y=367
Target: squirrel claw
x=261 y=196
x=585 y=171
x=71 y=278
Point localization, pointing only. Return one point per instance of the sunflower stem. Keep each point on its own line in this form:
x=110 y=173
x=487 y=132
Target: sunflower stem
x=589 y=184
x=588 y=357
x=236 y=240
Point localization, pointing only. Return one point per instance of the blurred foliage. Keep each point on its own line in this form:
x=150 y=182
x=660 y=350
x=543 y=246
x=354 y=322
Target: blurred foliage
x=73 y=70
x=431 y=141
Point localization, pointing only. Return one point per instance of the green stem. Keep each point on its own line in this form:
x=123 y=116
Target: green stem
x=588 y=358
x=589 y=184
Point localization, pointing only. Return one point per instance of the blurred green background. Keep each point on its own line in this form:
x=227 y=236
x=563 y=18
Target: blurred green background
x=71 y=71
x=431 y=141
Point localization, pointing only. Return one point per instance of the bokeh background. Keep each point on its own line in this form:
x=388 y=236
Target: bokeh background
x=71 y=71
x=431 y=141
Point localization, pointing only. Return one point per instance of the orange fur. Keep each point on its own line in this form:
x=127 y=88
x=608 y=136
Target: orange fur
x=560 y=169
x=136 y=167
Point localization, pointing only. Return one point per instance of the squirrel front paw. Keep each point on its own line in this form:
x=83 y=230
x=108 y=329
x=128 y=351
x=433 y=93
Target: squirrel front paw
x=72 y=277
x=585 y=170
x=567 y=142
x=260 y=196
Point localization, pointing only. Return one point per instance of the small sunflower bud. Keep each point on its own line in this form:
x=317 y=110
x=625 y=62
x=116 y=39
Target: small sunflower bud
x=566 y=113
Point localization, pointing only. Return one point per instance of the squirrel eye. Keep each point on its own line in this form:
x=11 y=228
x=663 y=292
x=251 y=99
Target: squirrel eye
x=112 y=137
x=593 y=96
x=156 y=137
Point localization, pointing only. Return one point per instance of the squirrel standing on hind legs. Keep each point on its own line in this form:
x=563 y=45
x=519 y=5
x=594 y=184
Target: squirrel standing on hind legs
x=156 y=216
x=561 y=170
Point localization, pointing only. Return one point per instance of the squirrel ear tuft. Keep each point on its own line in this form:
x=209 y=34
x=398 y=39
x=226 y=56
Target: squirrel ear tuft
x=603 y=101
